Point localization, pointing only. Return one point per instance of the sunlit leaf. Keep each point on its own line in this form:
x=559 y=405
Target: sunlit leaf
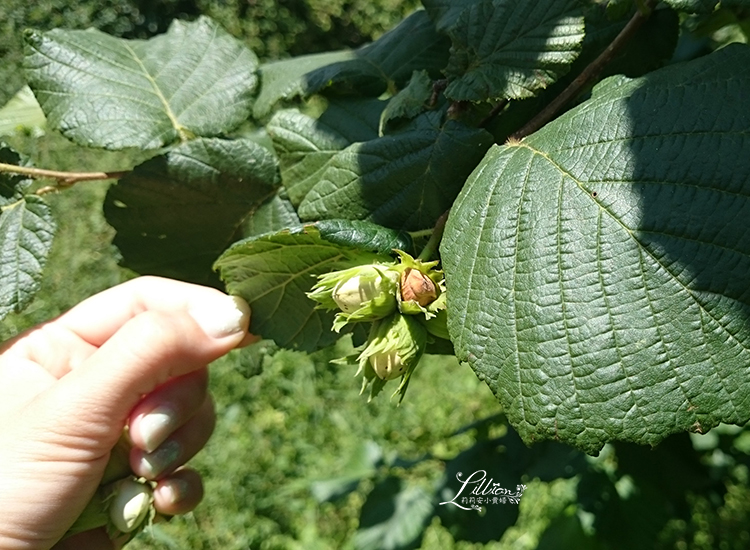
x=102 y=91
x=597 y=270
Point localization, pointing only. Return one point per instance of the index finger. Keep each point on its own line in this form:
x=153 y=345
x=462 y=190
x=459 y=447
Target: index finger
x=65 y=342
x=97 y=318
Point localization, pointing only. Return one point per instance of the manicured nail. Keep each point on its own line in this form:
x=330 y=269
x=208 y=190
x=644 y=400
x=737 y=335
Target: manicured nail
x=223 y=316
x=153 y=464
x=156 y=426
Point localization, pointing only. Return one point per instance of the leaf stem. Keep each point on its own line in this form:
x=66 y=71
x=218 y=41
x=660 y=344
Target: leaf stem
x=420 y=233
x=64 y=179
x=437 y=235
x=589 y=73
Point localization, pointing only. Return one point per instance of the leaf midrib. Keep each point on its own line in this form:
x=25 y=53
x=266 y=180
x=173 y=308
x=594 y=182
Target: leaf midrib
x=157 y=90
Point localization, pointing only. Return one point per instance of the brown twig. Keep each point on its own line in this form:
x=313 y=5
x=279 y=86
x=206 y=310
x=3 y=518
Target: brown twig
x=64 y=179
x=589 y=73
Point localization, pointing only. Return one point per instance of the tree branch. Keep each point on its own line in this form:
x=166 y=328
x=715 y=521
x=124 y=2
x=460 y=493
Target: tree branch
x=64 y=179
x=589 y=73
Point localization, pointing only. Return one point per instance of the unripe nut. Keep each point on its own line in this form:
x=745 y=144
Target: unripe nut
x=130 y=504
x=417 y=287
x=387 y=365
x=349 y=295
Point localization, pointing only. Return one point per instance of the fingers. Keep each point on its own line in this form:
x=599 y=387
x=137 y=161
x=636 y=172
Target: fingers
x=86 y=410
x=178 y=448
x=179 y=493
x=66 y=342
x=99 y=317
x=167 y=408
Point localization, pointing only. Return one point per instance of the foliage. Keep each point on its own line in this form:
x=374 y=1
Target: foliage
x=636 y=306
x=272 y=29
x=594 y=255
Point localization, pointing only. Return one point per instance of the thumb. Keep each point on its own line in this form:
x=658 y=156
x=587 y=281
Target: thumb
x=92 y=402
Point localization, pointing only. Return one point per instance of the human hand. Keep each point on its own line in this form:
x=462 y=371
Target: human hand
x=134 y=355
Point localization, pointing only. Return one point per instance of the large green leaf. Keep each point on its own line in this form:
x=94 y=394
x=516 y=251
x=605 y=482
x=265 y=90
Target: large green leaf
x=405 y=180
x=445 y=13
x=102 y=91
x=394 y=516
x=385 y=64
x=176 y=213
x=26 y=232
x=306 y=145
x=597 y=270
x=274 y=271
x=509 y=49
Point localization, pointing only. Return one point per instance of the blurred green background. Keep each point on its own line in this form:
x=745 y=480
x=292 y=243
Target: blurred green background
x=299 y=459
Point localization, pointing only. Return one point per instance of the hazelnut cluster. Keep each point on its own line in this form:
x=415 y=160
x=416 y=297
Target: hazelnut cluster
x=404 y=301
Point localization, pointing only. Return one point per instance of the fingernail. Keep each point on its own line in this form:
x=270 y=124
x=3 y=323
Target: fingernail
x=153 y=464
x=156 y=426
x=174 y=490
x=222 y=317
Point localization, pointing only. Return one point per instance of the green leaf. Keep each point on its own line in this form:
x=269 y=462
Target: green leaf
x=394 y=516
x=12 y=186
x=508 y=49
x=306 y=145
x=598 y=269
x=651 y=46
x=274 y=272
x=176 y=213
x=102 y=91
x=445 y=13
x=286 y=79
x=275 y=214
x=22 y=114
x=409 y=102
x=693 y=6
x=386 y=64
x=406 y=180
x=26 y=232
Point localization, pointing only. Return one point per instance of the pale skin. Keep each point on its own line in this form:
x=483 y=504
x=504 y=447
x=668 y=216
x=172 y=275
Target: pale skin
x=135 y=355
